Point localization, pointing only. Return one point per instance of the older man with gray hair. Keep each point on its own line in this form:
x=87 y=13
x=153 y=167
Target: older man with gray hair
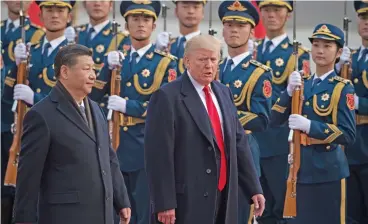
x=200 y=158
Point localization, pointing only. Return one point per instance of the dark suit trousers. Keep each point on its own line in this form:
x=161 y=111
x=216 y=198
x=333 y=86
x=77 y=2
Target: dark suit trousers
x=357 y=194
x=7 y=193
x=137 y=186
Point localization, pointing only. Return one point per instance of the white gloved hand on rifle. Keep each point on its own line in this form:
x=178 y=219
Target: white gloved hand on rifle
x=295 y=79
x=298 y=122
x=116 y=103
x=23 y=92
x=162 y=41
x=20 y=53
x=345 y=57
x=115 y=59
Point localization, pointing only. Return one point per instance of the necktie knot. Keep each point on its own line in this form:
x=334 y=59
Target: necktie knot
x=206 y=90
x=268 y=46
x=316 y=81
x=365 y=53
x=135 y=55
x=46 y=49
x=11 y=27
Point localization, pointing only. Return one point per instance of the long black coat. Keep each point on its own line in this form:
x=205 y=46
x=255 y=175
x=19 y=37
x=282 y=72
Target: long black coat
x=75 y=173
x=180 y=154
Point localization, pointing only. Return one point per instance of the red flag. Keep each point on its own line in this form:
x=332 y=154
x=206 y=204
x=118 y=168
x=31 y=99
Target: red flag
x=34 y=14
x=259 y=30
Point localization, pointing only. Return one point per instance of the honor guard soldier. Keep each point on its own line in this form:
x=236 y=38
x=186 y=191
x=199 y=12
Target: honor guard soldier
x=11 y=34
x=357 y=154
x=326 y=121
x=99 y=37
x=55 y=15
x=249 y=80
x=190 y=15
x=143 y=71
x=276 y=52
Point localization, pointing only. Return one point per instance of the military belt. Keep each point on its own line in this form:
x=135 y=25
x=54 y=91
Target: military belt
x=306 y=140
x=130 y=121
x=361 y=119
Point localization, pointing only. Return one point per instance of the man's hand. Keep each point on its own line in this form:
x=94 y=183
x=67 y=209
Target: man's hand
x=167 y=217
x=116 y=103
x=23 y=92
x=298 y=122
x=259 y=204
x=125 y=215
x=115 y=59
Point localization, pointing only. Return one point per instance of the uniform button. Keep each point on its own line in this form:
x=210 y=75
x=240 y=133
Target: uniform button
x=144 y=84
x=218 y=157
x=98 y=59
x=127 y=98
x=305 y=115
x=227 y=85
x=125 y=128
x=208 y=171
x=38 y=90
x=235 y=96
x=99 y=149
x=40 y=76
x=328 y=147
x=103 y=172
x=307 y=103
x=128 y=84
x=107 y=198
x=205 y=194
x=209 y=148
x=102 y=105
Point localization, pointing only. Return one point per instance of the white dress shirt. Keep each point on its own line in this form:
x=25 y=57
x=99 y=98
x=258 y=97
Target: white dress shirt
x=361 y=53
x=97 y=28
x=54 y=44
x=16 y=24
x=199 y=88
x=141 y=52
x=322 y=77
x=275 y=42
x=188 y=37
x=237 y=59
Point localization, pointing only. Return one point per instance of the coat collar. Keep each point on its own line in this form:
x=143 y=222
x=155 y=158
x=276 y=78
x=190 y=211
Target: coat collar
x=66 y=108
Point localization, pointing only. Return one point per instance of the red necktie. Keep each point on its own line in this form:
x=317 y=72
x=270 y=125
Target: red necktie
x=216 y=125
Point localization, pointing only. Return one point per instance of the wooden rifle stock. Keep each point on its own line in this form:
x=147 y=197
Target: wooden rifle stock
x=294 y=158
x=345 y=73
x=17 y=129
x=114 y=123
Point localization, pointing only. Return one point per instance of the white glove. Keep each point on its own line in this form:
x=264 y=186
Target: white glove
x=298 y=122
x=356 y=102
x=251 y=46
x=116 y=103
x=23 y=92
x=115 y=59
x=69 y=33
x=20 y=53
x=295 y=79
x=163 y=40
x=345 y=57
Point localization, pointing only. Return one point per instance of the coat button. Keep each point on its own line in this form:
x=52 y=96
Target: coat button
x=205 y=194
x=208 y=171
x=328 y=147
x=99 y=149
x=307 y=103
x=38 y=90
x=107 y=198
x=218 y=157
x=128 y=84
x=103 y=172
x=209 y=148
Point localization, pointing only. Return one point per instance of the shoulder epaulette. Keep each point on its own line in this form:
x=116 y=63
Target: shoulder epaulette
x=259 y=41
x=354 y=51
x=340 y=79
x=304 y=49
x=37 y=36
x=124 y=32
x=172 y=57
x=221 y=61
x=2 y=22
x=173 y=40
x=258 y=64
x=37 y=26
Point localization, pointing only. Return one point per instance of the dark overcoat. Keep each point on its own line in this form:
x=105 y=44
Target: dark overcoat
x=182 y=157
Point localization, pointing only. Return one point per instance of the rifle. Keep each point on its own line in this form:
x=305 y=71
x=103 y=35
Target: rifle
x=19 y=109
x=345 y=73
x=164 y=16
x=115 y=88
x=294 y=139
x=211 y=31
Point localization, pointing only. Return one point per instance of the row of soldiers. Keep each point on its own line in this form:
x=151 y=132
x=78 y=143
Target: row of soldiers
x=257 y=74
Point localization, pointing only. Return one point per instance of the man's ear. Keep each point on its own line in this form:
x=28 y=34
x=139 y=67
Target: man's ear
x=64 y=72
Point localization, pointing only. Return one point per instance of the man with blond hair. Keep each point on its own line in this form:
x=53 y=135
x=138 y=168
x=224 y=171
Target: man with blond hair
x=195 y=161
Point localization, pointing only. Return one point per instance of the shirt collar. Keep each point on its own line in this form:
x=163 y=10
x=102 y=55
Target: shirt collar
x=198 y=87
x=16 y=23
x=81 y=104
x=324 y=76
x=191 y=35
x=239 y=58
x=141 y=51
x=277 y=40
x=54 y=43
x=99 y=27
